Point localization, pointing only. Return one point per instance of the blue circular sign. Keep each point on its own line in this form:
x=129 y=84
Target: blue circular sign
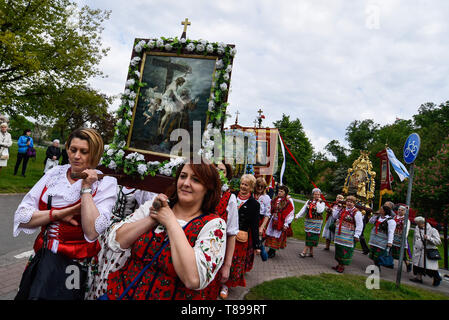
x=411 y=148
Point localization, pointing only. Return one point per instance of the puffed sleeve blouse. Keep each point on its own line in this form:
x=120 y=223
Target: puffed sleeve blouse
x=64 y=194
x=210 y=245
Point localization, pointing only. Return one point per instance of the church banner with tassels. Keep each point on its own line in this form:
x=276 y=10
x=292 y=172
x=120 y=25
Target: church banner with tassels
x=386 y=178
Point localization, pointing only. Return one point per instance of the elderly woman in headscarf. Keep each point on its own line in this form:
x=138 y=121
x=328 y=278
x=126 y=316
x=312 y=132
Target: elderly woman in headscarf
x=426 y=237
x=52 y=156
x=313 y=212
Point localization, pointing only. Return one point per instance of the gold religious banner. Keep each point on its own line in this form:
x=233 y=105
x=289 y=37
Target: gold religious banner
x=360 y=179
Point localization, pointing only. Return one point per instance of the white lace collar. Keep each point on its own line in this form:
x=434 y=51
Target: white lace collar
x=58 y=184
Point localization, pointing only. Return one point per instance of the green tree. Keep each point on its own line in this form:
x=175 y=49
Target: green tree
x=46 y=45
x=337 y=150
x=432 y=125
x=80 y=106
x=299 y=144
x=18 y=124
x=430 y=193
x=360 y=134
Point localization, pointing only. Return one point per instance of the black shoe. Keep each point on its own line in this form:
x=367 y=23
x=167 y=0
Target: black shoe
x=365 y=252
x=416 y=280
x=271 y=253
x=409 y=267
x=437 y=281
x=23 y=175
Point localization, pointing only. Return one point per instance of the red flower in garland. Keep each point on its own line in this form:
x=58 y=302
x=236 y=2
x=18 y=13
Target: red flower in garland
x=218 y=233
x=207 y=257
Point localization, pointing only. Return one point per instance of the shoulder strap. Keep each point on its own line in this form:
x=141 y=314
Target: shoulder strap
x=156 y=256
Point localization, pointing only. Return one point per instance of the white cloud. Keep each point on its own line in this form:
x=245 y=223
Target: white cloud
x=319 y=61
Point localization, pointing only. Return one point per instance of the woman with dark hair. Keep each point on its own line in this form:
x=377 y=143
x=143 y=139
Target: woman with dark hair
x=178 y=245
x=382 y=234
x=72 y=213
x=248 y=235
x=282 y=214
x=25 y=141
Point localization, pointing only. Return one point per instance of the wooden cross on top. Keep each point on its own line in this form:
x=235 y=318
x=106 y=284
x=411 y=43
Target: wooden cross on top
x=259 y=118
x=185 y=23
x=237 y=117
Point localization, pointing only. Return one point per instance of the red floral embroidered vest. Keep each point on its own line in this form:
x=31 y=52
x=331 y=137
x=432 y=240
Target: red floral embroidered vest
x=220 y=210
x=68 y=238
x=160 y=282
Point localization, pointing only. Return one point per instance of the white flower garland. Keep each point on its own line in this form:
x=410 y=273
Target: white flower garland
x=134 y=163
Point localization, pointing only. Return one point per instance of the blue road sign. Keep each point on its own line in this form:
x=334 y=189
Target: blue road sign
x=411 y=148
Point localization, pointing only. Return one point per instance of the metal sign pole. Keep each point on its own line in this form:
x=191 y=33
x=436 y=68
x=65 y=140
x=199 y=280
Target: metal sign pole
x=411 y=150
x=404 y=230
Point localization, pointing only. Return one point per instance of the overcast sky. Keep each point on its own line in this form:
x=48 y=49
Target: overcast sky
x=325 y=62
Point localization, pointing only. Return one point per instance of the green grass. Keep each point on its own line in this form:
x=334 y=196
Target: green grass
x=336 y=287
x=18 y=184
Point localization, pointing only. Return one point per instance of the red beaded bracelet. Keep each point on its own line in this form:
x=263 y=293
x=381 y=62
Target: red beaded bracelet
x=51 y=216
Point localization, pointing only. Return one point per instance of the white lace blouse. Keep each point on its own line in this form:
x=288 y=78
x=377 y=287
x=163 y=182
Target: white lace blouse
x=265 y=205
x=64 y=194
x=210 y=245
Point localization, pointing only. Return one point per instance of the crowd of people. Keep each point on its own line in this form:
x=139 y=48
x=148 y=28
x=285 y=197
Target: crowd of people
x=54 y=156
x=345 y=225
x=198 y=240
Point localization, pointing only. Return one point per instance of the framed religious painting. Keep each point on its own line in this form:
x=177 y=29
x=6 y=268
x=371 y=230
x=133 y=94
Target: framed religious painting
x=171 y=84
x=175 y=93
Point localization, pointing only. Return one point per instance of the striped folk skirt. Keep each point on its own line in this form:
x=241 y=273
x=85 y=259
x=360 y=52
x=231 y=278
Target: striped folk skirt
x=343 y=254
x=277 y=243
x=375 y=253
x=395 y=252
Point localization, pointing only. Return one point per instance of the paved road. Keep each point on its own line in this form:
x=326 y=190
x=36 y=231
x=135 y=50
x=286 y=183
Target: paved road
x=8 y=205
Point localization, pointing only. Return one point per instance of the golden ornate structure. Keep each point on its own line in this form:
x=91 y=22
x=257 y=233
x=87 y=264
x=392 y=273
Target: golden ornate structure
x=360 y=179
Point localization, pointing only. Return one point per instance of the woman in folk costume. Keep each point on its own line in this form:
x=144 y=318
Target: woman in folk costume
x=227 y=210
x=313 y=213
x=425 y=237
x=382 y=234
x=264 y=200
x=348 y=228
x=260 y=195
x=72 y=213
x=397 y=240
x=248 y=235
x=282 y=214
x=332 y=211
x=177 y=244
x=107 y=260
x=5 y=144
